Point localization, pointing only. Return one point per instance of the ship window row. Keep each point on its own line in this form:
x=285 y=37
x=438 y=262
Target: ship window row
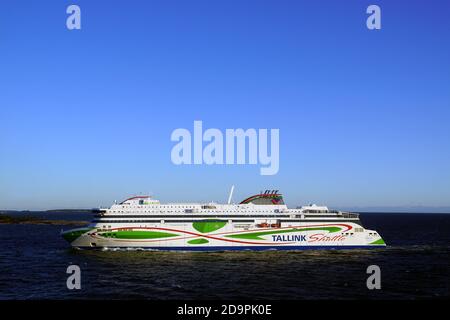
x=204 y=207
x=321 y=216
x=218 y=220
x=233 y=211
x=191 y=221
x=198 y=216
x=187 y=210
x=192 y=209
x=165 y=221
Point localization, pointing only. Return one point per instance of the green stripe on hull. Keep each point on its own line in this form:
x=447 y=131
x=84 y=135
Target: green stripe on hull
x=71 y=236
x=137 y=234
x=379 y=241
x=257 y=235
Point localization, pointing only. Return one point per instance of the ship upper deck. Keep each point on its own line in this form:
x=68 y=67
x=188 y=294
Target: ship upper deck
x=267 y=204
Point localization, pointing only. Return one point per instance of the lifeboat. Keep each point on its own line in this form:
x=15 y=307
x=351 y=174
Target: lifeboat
x=263 y=225
x=267 y=225
x=275 y=225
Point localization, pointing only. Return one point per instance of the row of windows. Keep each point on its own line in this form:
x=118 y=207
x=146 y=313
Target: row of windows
x=160 y=221
x=226 y=216
x=201 y=216
x=330 y=214
x=194 y=211
x=218 y=220
x=208 y=206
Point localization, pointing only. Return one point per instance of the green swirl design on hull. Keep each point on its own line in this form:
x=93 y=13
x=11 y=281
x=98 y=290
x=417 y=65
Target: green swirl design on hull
x=198 y=241
x=258 y=235
x=206 y=226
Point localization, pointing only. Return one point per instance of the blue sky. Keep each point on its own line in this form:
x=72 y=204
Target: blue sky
x=86 y=115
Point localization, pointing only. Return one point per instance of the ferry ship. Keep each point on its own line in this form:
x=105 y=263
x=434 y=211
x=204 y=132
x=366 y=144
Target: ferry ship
x=260 y=222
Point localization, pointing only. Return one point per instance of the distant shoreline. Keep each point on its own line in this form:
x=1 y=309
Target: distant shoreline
x=6 y=219
x=51 y=210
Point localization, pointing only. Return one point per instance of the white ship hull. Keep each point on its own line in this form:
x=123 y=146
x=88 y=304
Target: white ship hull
x=261 y=222
x=186 y=237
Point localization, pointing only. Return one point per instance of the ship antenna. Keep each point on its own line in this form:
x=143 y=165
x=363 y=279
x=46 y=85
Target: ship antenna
x=231 y=194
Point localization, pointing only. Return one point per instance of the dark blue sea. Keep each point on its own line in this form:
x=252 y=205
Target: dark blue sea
x=415 y=265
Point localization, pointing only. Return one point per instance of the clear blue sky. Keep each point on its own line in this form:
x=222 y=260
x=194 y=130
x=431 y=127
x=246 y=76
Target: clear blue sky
x=86 y=116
